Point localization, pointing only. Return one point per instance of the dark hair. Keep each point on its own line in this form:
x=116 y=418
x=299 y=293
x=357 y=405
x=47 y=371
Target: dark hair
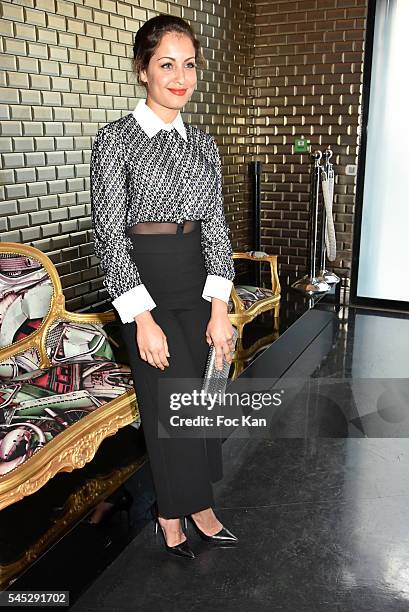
x=149 y=36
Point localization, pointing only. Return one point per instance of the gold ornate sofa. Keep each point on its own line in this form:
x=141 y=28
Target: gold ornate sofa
x=61 y=389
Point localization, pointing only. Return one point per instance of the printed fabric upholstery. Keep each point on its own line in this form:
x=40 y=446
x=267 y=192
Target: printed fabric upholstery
x=250 y=295
x=25 y=297
x=37 y=404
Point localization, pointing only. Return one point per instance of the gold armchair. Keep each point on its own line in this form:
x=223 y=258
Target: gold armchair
x=247 y=301
x=61 y=389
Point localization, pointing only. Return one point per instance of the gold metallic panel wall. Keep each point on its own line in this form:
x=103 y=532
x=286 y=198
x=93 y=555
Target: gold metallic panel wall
x=307 y=81
x=275 y=70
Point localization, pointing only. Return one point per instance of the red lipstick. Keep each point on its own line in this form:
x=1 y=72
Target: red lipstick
x=178 y=92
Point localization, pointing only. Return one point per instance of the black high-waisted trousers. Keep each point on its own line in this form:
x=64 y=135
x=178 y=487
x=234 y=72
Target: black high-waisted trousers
x=172 y=269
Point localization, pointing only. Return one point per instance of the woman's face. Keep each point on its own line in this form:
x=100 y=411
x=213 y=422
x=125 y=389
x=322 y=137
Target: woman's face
x=171 y=74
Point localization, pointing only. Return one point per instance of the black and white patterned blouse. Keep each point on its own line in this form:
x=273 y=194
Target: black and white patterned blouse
x=143 y=169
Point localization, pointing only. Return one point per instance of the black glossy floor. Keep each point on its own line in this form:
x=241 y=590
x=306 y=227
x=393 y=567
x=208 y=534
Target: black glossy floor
x=321 y=504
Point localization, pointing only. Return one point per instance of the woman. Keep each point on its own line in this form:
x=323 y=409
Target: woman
x=162 y=238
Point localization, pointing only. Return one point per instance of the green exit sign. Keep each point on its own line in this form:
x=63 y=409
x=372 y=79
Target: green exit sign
x=301 y=145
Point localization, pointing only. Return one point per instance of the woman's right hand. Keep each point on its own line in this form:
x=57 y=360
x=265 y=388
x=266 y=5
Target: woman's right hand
x=152 y=342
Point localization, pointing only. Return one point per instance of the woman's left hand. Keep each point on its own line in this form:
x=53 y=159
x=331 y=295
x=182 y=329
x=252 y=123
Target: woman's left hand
x=220 y=331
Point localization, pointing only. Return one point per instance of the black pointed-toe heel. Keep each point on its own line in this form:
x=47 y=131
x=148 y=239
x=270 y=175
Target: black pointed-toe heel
x=222 y=536
x=181 y=550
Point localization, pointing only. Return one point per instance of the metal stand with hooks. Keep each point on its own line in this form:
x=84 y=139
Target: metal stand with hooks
x=311 y=283
x=324 y=274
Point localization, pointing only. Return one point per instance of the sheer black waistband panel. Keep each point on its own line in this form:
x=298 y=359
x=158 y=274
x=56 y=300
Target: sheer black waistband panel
x=163 y=227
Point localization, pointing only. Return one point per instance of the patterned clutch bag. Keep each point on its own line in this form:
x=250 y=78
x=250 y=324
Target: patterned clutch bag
x=215 y=380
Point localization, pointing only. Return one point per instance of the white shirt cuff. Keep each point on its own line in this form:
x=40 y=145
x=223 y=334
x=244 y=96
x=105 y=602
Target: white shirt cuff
x=217 y=286
x=133 y=302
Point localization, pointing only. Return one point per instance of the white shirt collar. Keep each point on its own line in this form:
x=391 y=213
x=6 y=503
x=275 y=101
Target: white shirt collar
x=151 y=123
